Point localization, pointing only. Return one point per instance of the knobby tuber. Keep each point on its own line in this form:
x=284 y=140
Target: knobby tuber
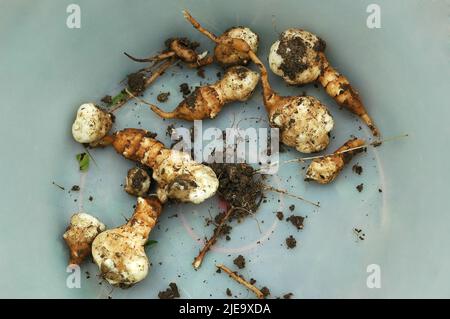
x=91 y=123
x=119 y=253
x=137 y=182
x=298 y=57
x=178 y=176
x=325 y=170
x=80 y=234
x=237 y=84
x=225 y=54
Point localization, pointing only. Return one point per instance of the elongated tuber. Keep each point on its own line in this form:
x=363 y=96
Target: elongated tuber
x=298 y=57
x=178 y=176
x=237 y=84
x=137 y=182
x=325 y=170
x=91 y=123
x=119 y=253
x=225 y=54
x=80 y=234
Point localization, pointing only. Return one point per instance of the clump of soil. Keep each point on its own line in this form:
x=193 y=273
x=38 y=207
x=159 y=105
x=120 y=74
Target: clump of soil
x=136 y=82
x=265 y=291
x=75 y=188
x=163 y=97
x=288 y=295
x=239 y=261
x=292 y=51
x=297 y=221
x=184 y=88
x=280 y=215
x=292 y=207
x=107 y=99
x=291 y=242
x=357 y=169
x=360 y=187
x=170 y=293
x=239 y=187
x=229 y=294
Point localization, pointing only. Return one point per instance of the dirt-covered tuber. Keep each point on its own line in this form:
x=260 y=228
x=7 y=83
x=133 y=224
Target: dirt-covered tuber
x=137 y=182
x=80 y=234
x=225 y=54
x=298 y=57
x=237 y=84
x=178 y=176
x=119 y=253
x=91 y=123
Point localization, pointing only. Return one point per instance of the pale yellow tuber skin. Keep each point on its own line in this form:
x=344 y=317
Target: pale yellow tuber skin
x=237 y=84
x=119 y=253
x=91 y=123
x=325 y=170
x=225 y=54
x=137 y=182
x=178 y=176
x=298 y=57
x=80 y=234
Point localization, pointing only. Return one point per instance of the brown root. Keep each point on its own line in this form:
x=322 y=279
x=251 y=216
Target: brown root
x=155 y=58
x=199 y=259
x=242 y=281
x=338 y=87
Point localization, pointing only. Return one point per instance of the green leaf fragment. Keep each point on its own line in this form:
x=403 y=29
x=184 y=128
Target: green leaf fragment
x=150 y=243
x=83 y=161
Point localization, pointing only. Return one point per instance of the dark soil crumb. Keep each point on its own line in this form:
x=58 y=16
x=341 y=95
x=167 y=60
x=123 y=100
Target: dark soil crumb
x=136 y=82
x=359 y=233
x=163 y=97
x=107 y=99
x=297 y=221
x=360 y=187
x=252 y=281
x=219 y=75
x=280 y=215
x=239 y=262
x=201 y=73
x=291 y=208
x=75 y=188
x=291 y=242
x=170 y=293
x=288 y=295
x=380 y=190
x=357 y=169
x=228 y=292
x=265 y=291
x=91 y=198
x=184 y=88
